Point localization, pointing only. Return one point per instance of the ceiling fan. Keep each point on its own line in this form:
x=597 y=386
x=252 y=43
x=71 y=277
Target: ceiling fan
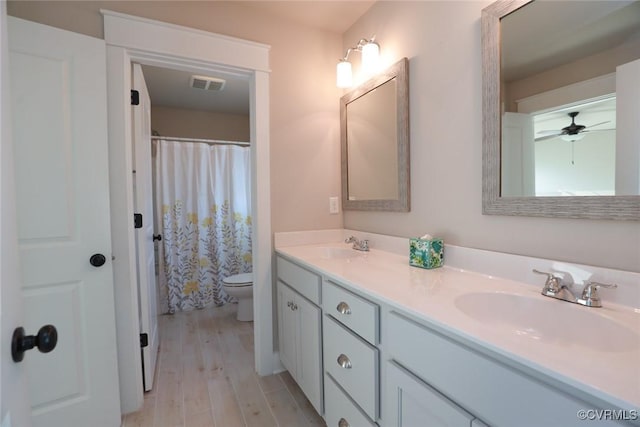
x=573 y=132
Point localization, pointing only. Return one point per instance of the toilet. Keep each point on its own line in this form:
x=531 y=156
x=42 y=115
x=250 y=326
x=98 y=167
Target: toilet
x=240 y=286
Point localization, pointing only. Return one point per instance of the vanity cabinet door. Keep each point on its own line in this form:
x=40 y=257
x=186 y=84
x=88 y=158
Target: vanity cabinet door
x=299 y=335
x=414 y=403
x=309 y=375
x=287 y=335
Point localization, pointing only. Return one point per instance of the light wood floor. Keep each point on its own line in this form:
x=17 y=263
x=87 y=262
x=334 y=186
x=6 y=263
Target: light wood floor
x=205 y=377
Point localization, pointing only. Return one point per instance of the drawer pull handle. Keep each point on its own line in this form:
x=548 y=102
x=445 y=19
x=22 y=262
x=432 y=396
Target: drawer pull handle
x=344 y=308
x=344 y=361
x=343 y=423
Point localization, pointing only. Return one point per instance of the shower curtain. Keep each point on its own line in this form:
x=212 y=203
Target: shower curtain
x=204 y=196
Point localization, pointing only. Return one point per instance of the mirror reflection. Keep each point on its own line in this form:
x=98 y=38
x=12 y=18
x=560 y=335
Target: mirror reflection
x=570 y=99
x=372 y=154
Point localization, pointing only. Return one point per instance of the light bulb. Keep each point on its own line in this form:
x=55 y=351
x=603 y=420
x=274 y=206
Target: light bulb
x=571 y=138
x=370 y=55
x=344 y=78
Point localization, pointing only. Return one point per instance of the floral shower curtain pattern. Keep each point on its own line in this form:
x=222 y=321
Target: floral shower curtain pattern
x=204 y=195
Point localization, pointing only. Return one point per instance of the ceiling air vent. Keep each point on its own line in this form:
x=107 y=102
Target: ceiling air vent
x=207 y=83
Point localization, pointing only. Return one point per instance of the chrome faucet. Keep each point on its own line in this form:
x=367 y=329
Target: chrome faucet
x=590 y=296
x=554 y=288
x=358 y=245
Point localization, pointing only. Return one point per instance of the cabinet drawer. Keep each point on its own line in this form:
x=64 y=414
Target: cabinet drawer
x=353 y=311
x=465 y=375
x=338 y=406
x=353 y=364
x=300 y=279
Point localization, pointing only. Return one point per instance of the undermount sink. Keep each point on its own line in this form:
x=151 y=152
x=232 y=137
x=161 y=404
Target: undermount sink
x=549 y=322
x=330 y=252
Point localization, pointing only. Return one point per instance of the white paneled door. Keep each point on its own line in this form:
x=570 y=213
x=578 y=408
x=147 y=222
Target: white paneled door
x=143 y=194
x=59 y=124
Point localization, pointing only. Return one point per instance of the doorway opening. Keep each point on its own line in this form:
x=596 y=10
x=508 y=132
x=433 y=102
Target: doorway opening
x=192 y=183
x=202 y=183
x=136 y=40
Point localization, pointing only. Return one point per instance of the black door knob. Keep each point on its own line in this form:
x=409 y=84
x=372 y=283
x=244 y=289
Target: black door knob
x=157 y=237
x=46 y=341
x=97 y=260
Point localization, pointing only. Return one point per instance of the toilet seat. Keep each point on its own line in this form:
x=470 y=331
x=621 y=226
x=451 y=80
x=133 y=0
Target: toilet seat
x=239 y=280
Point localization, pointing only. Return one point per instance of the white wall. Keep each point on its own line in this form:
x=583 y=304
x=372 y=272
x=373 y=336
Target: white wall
x=628 y=128
x=585 y=167
x=442 y=42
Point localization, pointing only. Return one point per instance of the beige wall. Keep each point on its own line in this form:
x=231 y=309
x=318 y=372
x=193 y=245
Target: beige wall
x=183 y=123
x=442 y=42
x=583 y=69
x=305 y=148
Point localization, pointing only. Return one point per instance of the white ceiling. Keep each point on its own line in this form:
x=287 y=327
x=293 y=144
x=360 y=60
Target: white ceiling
x=170 y=88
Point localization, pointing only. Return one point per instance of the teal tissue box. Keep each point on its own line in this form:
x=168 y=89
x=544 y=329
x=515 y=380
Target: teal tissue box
x=426 y=253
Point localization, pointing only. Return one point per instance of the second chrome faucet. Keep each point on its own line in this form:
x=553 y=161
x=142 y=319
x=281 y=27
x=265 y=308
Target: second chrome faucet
x=359 y=245
x=590 y=297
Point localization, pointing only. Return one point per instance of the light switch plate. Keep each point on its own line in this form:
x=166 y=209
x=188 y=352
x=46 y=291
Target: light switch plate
x=334 y=207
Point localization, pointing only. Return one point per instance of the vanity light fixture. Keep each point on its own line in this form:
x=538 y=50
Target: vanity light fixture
x=370 y=51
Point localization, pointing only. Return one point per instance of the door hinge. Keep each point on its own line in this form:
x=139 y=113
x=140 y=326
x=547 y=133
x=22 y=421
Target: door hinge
x=144 y=340
x=137 y=220
x=135 y=97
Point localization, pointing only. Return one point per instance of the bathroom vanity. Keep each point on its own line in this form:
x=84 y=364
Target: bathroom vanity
x=383 y=343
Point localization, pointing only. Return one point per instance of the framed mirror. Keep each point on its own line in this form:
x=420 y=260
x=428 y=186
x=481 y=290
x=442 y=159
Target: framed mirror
x=561 y=101
x=374 y=133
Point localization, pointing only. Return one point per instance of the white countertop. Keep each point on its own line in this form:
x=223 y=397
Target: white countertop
x=609 y=373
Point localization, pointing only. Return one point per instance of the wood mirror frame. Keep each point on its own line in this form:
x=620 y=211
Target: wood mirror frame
x=587 y=207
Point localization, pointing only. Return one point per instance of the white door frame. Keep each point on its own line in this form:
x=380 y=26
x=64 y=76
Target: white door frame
x=133 y=39
x=15 y=404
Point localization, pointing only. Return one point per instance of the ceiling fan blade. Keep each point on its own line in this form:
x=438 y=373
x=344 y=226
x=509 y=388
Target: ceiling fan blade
x=550 y=132
x=598 y=124
x=544 y=138
x=597 y=130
